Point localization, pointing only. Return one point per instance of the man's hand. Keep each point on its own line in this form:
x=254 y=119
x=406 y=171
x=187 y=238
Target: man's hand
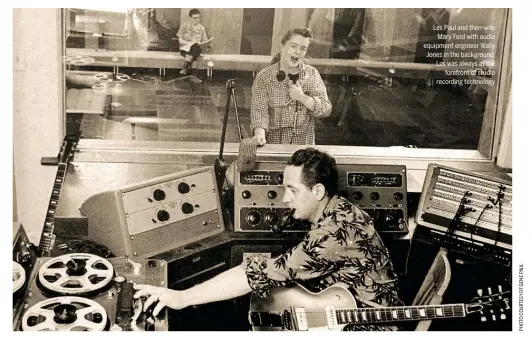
x=296 y=92
x=260 y=136
x=164 y=297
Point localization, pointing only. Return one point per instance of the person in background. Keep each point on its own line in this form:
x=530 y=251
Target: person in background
x=192 y=36
x=288 y=95
x=341 y=247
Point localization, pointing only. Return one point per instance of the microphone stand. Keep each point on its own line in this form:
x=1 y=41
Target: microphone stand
x=230 y=86
x=220 y=167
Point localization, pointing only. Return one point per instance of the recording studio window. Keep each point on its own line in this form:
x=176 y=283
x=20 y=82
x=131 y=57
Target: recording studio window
x=406 y=78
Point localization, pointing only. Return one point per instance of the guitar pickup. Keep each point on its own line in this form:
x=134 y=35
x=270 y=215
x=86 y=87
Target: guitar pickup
x=265 y=319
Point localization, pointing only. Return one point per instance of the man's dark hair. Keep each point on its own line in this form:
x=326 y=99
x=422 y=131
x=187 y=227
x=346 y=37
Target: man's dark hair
x=304 y=32
x=318 y=167
x=193 y=11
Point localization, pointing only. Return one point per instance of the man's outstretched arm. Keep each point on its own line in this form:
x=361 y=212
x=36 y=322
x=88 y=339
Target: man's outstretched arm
x=227 y=285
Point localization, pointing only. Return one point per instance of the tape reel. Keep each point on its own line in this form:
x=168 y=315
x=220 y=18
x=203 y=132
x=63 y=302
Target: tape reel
x=19 y=276
x=67 y=313
x=76 y=273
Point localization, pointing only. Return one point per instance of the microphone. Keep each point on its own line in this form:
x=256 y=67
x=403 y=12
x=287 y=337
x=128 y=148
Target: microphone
x=293 y=74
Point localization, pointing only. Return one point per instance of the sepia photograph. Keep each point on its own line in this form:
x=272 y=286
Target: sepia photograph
x=263 y=169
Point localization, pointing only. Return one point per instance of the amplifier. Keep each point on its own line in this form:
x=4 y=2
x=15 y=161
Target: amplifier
x=466 y=206
x=380 y=190
x=258 y=201
x=163 y=213
x=474 y=269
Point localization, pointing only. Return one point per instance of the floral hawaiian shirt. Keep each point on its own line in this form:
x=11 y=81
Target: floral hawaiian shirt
x=343 y=248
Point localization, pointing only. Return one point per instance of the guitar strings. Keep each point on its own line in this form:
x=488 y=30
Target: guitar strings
x=386 y=313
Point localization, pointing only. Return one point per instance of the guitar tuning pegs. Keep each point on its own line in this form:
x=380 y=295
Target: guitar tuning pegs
x=503 y=316
x=479 y=292
x=483 y=318
x=507 y=302
x=489 y=291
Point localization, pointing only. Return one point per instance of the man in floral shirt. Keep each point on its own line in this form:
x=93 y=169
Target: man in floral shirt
x=342 y=247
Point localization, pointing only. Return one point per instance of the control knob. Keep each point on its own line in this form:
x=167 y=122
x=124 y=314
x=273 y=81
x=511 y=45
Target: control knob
x=357 y=195
x=183 y=188
x=187 y=208
x=374 y=195
x=163 y=215
x=246 y=194
x=271 y=218
x=159 y=194
x=398 y=196
x=253 y=218
x=287 y=220
x=272 y=194
x=279 y=178
x=390 y=220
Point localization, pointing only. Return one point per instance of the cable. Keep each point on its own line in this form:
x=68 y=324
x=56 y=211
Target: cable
x=408 y=255
x=499 y=224
x=307 y=125
x=478 y=219
x=460 y=212
x=85 y=246
x=500 y=196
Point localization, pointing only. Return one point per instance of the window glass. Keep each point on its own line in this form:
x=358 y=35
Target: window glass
x=422 y=78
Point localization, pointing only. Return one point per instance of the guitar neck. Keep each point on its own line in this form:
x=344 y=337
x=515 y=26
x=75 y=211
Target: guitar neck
x=394 y=314
x=47 y=235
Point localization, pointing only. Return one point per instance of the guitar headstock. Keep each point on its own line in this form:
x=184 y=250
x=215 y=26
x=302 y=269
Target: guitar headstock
x=68 y=148
x=492 y=304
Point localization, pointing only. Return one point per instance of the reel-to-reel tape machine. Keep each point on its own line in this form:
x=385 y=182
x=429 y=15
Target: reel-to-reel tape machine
x=85 y=292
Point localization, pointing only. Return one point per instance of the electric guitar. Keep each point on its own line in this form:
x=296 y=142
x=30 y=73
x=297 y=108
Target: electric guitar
x=66 y=154
x=297 y=309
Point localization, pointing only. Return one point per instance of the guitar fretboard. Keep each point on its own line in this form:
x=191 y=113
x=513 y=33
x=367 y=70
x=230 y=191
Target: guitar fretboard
x=392 y=314
x=45 y=243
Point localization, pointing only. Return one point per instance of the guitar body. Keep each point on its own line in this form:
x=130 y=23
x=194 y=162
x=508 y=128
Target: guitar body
x=295 y=308
x=284 y=298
